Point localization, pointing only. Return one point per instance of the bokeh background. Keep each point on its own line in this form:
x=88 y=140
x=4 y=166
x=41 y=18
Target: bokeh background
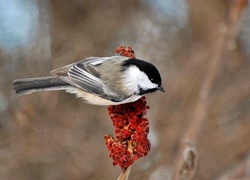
x=201 y=48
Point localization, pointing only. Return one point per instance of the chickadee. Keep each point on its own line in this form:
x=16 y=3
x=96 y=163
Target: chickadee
x=99 y=80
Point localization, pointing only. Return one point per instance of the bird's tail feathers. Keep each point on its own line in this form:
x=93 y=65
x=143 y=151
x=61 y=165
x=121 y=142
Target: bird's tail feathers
x=30 y=85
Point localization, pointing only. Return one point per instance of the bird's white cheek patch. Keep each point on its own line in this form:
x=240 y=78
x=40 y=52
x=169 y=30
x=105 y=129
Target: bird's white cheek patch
x=133 y=78
x=130 y=78
x=145 y=83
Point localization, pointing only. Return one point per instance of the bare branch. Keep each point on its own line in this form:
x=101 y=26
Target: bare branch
x=124 y=175
x=227 y=36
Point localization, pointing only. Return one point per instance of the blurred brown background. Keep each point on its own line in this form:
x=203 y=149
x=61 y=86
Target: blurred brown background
x=201 y=48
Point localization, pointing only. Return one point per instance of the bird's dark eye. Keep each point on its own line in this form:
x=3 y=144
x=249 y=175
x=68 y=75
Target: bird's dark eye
x=152 y=79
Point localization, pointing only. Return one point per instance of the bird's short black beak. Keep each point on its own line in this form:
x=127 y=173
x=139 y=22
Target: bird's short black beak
x=161 y=89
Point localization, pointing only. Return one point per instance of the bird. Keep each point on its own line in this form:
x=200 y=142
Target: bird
x=98 y=80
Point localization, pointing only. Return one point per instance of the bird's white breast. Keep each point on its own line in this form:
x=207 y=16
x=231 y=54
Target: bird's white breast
x=96 y=100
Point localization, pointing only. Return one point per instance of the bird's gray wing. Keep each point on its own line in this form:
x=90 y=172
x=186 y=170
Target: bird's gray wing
x=85 y=75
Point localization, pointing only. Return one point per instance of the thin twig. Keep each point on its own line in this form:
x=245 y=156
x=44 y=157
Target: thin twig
x=227 y=33
x=193 y=131
x=124 y=175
